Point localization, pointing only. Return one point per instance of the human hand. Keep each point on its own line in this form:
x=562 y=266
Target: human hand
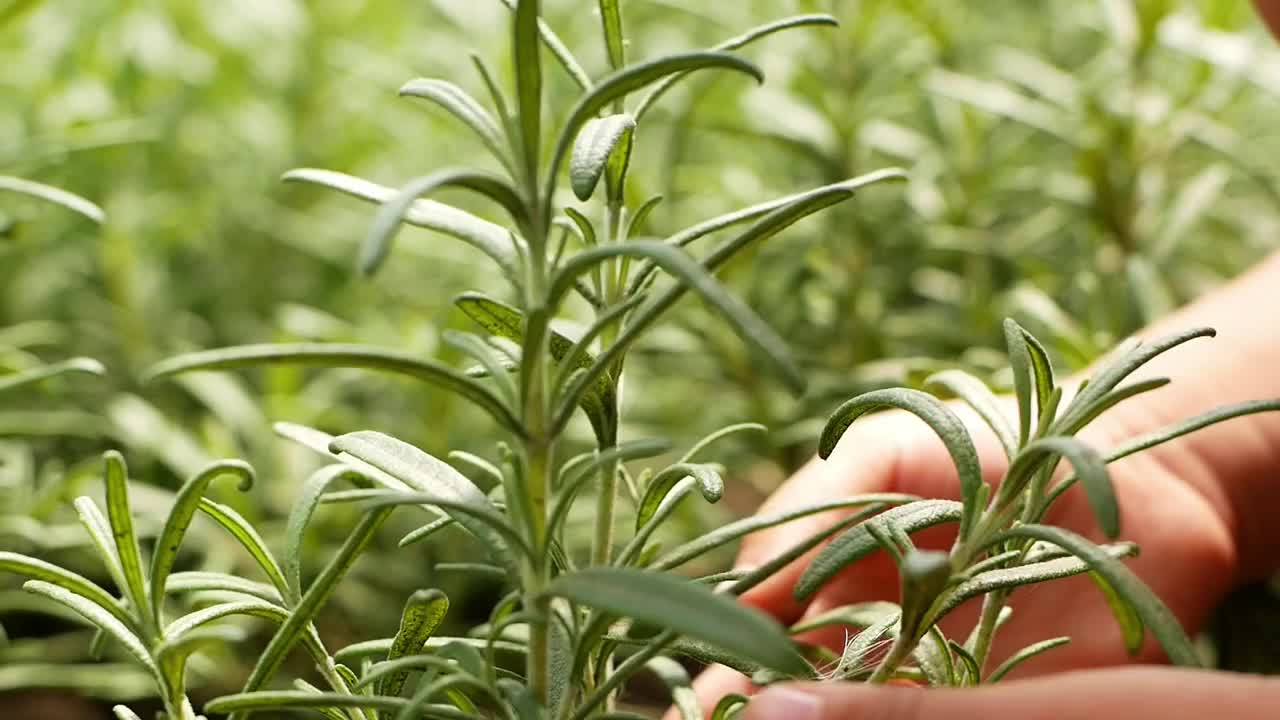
x=1168 y=506
x=1171 y=694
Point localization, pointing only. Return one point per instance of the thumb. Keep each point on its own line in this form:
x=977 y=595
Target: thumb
x=1116 y=692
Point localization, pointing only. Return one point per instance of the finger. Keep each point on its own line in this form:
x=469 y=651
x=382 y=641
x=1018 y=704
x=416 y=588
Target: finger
x=1120 y=692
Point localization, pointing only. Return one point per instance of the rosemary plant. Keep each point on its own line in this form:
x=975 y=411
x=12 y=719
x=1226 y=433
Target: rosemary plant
x=577 y=623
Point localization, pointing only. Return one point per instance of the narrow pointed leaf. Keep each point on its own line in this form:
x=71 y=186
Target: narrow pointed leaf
x=423 y=613
x=734 y=43
x=1024 y=655
x=858 y=542
x=560 y=51
x=86 y=366
x=1020 y=363
x=465 y=108
x=52 y=574
x=1191 y=425
x=195 y=581
x=249 y=539
x=598 y=141
x=344 y=356
x=611 y=20
x=377 y=244
x=1090 y=469
x=1114 y=372
x=686 y=608
x=96 y=614
x=298 y=625
x=185 y=505
x=623 y=82
x=710 y=484
x=940 y=418
x=527 y=56
x=1155 y=615
x=976 y=395
x=676 y=679
x=489 y=238
x=300 y=517
x=737 y=529
x=1029 y=574
x=680 y=264
x=120 y=515
x=430 y=476
x=54 y=195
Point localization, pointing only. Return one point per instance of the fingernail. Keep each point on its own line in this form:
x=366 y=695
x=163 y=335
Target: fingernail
x=784 y=703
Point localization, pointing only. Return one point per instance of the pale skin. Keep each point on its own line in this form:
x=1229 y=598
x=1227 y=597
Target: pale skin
x=1201 y=508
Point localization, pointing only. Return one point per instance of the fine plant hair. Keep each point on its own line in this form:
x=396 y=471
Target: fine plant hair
x=578 y=622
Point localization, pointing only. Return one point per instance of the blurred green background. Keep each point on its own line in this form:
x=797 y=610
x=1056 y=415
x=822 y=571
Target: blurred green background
x=1083 y=166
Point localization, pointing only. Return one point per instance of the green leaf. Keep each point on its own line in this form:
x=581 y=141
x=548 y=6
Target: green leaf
x=1112 y=373
x=618 y=85
x=423 y=613
x=771 y=224
x=686 y=608
x=433 y=477
x=579 y=470
x=1155 y=615
x=302 y=699
x=1020 y=363
x=465 y=108
x=377 y=244
x=300 y=517
x=345 y=356
x=611 y=19
x=598 y=403
x=640 y=215
x=1031 y=573
x=560 y=51
x=494 y=363
x=858 y=542
x=172 y=654
x=98 y=615
x=489 y=238
x=1131 y=627
x=527 y=57
x=680 y=264
x=976 y=395
x=298 y=625
x=597 y=143
x=774 y=216
x=721 y=434
x=243 y=532
x=54 y=195
x=426 y=531
x=940 y=418
x=737 y=529
x=1041 y=372
x=52 y=574
x=184 y=509
x=1191 y=425
x=709 y=483
x=659 y=514
x=100 y=536
x=1090 y=468
x=972 y=674
x=933 y=656
x=202 y=581
x=1073 y=422
x=734 y=43
x=729 y=707
x=1024 y=655
x=120 y=515
x=87 y=366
